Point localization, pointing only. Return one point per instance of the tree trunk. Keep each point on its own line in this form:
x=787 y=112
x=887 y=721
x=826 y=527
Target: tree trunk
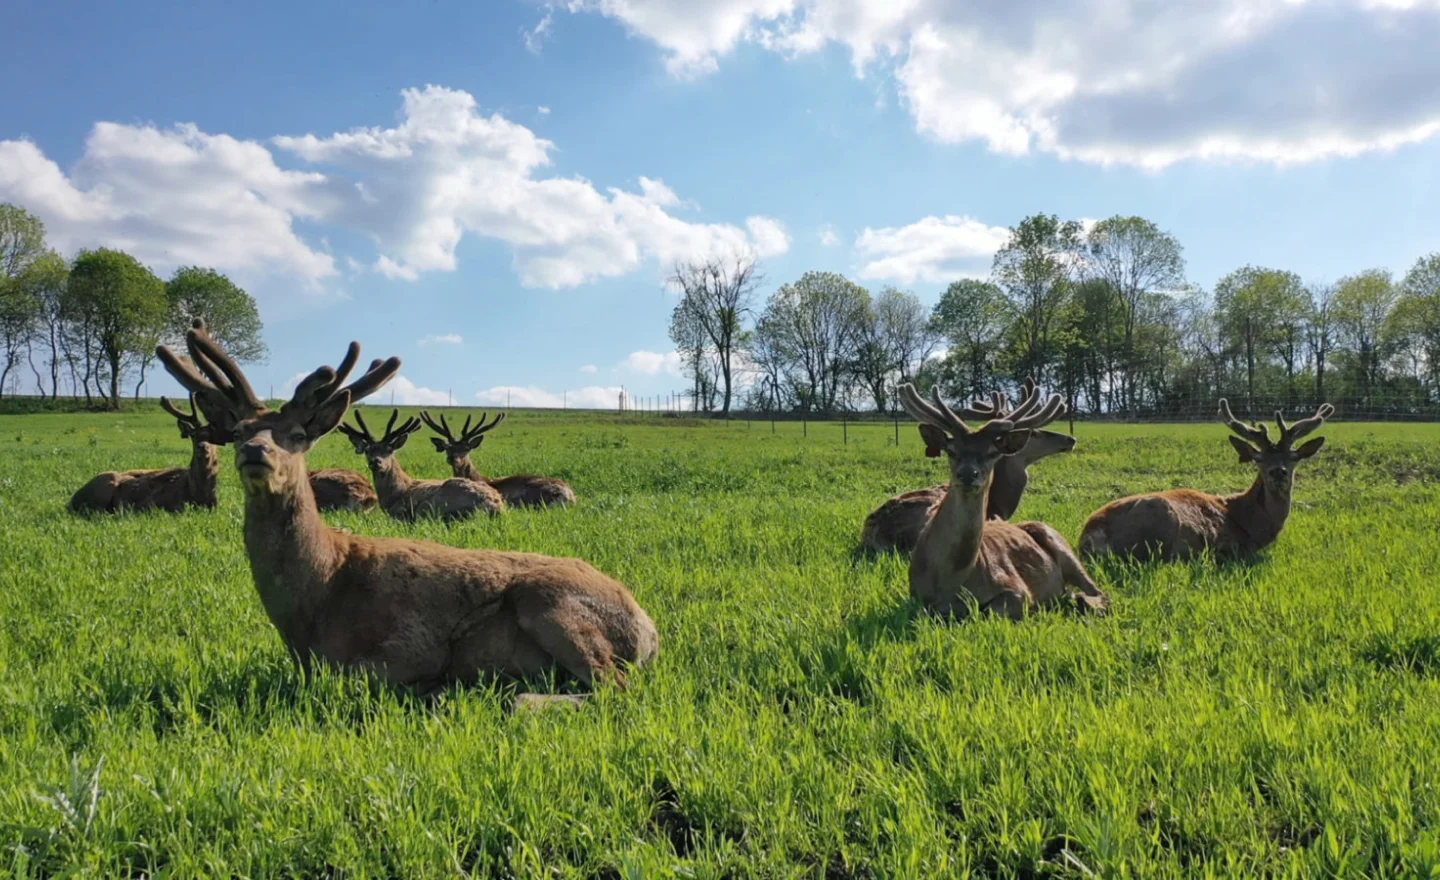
x=114 y=358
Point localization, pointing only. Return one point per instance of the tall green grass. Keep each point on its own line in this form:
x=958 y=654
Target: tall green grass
x=1280 y=719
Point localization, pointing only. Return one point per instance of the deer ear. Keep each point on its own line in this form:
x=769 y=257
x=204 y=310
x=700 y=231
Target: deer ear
x=359 y=445
x=1309 y=448
x=935 y=440
x=1013 y=442
x=1247 y=452
x=324 y=419
x=397 y=442
x=439 y=444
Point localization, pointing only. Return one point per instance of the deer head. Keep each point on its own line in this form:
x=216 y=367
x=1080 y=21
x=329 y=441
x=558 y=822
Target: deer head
x=974 y=452
x=191 y=427
x=1041 y=444
x=270 y=445
x=457 y=449
x=1276 y=461
x=379 y=451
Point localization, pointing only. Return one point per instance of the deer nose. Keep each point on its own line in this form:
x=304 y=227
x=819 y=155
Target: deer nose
x=253 y=452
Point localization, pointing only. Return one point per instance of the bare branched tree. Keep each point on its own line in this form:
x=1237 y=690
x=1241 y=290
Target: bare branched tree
x=715 y=297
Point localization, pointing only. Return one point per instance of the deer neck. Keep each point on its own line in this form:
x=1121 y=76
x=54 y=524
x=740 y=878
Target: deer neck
x=293 y=555
x=950 y=544
x=204 y=472
x=465 y=469
x=391 y=481
x=1258 y=513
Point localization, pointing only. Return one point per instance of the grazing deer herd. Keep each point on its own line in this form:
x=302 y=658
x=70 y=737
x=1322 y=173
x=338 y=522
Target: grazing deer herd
x=424 y=615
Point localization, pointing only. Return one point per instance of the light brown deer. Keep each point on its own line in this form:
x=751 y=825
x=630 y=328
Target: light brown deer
x=406 y=498
x=895 y=525
x=413 y=613
x=342 y=489
x=167 y=489
x=1182 y=523
x=961 y=557
x=520 y=490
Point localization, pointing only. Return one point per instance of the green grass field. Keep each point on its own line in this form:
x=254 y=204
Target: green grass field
x=802 y=720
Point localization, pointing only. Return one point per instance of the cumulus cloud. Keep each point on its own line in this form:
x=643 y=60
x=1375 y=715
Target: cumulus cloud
x=933 y=249
x=1106 y=81
x=179 y=195
x=589 y=397
x=651 y=363
x=407 y=393
x=442 y=339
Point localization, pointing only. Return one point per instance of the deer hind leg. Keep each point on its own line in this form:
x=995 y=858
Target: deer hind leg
x=1089 y=597
x=574 y=636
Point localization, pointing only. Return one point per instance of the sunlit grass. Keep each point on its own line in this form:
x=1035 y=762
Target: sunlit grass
x=801 y=720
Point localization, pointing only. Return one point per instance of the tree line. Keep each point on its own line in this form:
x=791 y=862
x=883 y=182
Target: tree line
x=91 y=325
x=1102 y=314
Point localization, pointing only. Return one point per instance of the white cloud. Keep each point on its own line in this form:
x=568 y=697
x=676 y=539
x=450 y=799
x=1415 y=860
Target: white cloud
x=406 y=393
x=589 y=397
x=650 y=363
x=543 y=110
x=179 y=196
x=828 y=238
x=173 y=197
x=536 y=36
x=589 y=368
x=933 y=249
x=1107 y=81
x=442 y=339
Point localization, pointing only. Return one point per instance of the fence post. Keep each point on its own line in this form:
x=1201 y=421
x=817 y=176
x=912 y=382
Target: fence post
x=845 y=428
x=897 y=431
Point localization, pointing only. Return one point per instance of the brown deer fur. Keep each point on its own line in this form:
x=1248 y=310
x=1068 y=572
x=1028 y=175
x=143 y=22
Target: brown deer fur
x=895 y=525
x=342 y=489
x=167 y=489
x=1182 y=523
x=961 y=557
x=520 y=490
x=406 y=498
x=414 y=613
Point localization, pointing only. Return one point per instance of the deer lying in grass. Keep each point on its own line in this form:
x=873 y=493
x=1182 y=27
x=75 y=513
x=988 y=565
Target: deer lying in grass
x=406 y=498
x=342 y=489
x=1182 y=523
x=895 y=525
x=520 y=490
x=168 y=489
x=413 y=613
x=963 y=557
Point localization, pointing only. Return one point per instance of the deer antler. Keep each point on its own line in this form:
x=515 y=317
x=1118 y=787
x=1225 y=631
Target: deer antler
x=1290 y=433
x=190 y=423
x=1256 y=434
x=998 y=407
x=391 y=435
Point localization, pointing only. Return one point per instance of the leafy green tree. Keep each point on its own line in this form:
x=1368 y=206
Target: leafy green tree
x=19 y=315
x=1136 y=259
x=1249 y=303
x=123 y=306
x=230 y=313
x=1363 y=306
x=1417 y=316
x=818 y=322
x=974 y=317
x=896 y=336
x=44 y=281
x=22 y=239
x=1035 y=269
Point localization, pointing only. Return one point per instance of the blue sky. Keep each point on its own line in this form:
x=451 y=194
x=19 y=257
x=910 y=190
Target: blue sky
x=381 y=172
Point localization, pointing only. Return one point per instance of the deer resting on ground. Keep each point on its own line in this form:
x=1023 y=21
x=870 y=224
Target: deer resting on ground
x=413 y=613
x=167 y=489
x=896 y=524
x=1182 y=523
x=520 y=490
x=342 y=489
x=961 y=557
x=406 y=498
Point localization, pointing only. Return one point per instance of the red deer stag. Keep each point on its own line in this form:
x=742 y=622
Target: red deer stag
x=895 y=525
x=1182 y=523
x=413 y=613
x=961 y=557
x=168 y=489
x=520 y=490
x=342 y=489
x=406 y=498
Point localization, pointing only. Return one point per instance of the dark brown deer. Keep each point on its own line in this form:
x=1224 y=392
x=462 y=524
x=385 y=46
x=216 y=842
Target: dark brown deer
x=962 y=559
x=342 y=489
x=167 y=489
x=520 y=490
x=1182 y=523
x=895 y=525
x=413 y=613
x=406 y=498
